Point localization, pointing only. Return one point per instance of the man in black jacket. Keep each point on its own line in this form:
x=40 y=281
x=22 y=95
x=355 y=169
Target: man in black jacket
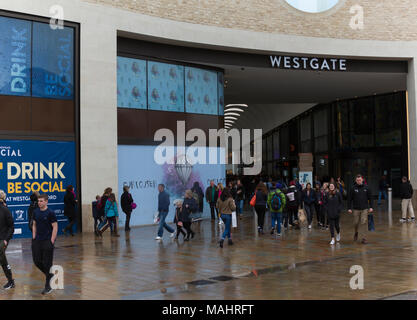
x=406 y=193
x=126 y=202
x=211 y=197
x=6 y=233
x=360 y=198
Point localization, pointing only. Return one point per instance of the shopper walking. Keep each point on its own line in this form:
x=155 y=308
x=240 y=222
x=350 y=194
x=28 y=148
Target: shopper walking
x=406 y=193
x=293 y=203
x=360 y=199
x=189 y=206
x=276 y=204
x=318 y=205
x=226 y=206
x=178 y=219
x=261 y=194
x=44 y=233
x=197 y=190
x=309 y=199
x=69 y=209
x=211 y=197
x=126 y=202
x=32 y=207
x=163 y=209
x=333 y=202
x=240 y=198
x=383 y=185
x=112 y=215
x=6 y=234
x=96 y=214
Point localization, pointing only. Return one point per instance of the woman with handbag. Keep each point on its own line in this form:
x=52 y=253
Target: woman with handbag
x=226 y=206
x=127 y=204
x=261 y=197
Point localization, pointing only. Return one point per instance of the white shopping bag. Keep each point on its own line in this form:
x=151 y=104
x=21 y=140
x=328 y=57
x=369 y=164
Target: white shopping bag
x=234 y=220
x=156 y=218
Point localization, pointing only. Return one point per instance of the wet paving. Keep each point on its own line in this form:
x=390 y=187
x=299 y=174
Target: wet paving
x=299 y=265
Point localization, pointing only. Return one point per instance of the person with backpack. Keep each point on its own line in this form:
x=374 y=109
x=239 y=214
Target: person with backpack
x=126 y=202
x=69 y=209
x=226 y=206
x=32 y=207
x=276 y=202
x=100 y=208
x=309 y=199
x=261 y=194
x=333 y=202
x=293 y=203
x=112 y=215
x=406 y=193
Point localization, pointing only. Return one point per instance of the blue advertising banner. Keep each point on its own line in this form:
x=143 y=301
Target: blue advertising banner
x=201 y=91
x=15 y=56
x=138 y=170
x=131 y=83
x=53 y=62
x=28 y=166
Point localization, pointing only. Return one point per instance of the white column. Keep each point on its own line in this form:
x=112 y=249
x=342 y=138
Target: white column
x=412 y=120
x=98 y=113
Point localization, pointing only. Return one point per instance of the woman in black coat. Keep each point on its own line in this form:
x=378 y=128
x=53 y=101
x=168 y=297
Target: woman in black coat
x=197 y=189
x=333 y=202
x=126 y=202
x=188 y=206
x=69 y=209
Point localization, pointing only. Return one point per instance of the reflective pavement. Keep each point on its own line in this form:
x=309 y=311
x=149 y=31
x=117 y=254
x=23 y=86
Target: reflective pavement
x=299 y=265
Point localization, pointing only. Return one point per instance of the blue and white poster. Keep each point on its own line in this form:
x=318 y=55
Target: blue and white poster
x=138 y=170
x=201 y=93
x=15 y=56
x=53 y=62
x=165 y=87
x=221 y=92
x=28 y=166
x=131 y=83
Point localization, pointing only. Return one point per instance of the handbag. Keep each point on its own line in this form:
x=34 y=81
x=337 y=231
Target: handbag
x=134 y=206
x=253 y=200
x=179 y=223
x=156 y=217
x=234 y=220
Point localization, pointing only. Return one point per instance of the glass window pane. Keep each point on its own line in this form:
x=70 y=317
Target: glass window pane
x=131 y=83
x=305 y=128
x=269 y=147
x=320 y=123
x=362 y=122
x=221 y=92
x=53 y=62
x=165 y=87
x=15 y=44
x=276 y=145
x=388 y=111
x=285 y=142
x=201 y=91
x=320 y=144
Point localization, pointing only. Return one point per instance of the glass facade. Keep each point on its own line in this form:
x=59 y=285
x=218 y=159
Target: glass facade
x=364 y=135
x=152 y=85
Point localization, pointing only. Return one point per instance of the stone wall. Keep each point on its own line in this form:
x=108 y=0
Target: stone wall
x=383 y=19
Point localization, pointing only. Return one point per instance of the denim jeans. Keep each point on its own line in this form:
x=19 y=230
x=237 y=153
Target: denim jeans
x=239 y=206
x=276 y=218
x=227 y=219
x=163 y=224
x=382 y=193
x=371 y=223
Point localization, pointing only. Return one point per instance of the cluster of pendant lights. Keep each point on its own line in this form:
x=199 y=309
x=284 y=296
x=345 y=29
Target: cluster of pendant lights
x=231 y=114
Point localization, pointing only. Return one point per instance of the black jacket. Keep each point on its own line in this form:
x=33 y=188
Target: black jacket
x=33 y=205
x=333 y=205
x=406 y=190
x=209 y=194
x=293 y=197
x=360 y=196
x=183 y=215
x=126 y=201
x=241 y=195
x=6 y=223
x=69 y=204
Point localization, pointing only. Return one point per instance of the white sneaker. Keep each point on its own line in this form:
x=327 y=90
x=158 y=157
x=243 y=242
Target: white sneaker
x=309 y=226
x=338 y=237
x=221 y=222
x=403 y=220
x=158 y=238
x=332 y=242
x=172 y=235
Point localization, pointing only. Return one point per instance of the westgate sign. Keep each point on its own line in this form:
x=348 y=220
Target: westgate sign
x=308 y=63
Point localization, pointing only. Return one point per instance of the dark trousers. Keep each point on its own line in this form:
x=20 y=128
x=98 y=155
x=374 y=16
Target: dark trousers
x=289 y=217
x=334 y=223
x=97 y=221
x=71 y=221
x=309 y=208
x=260 y=211
x=3 y=261
x=317 y=208
x=323 y=216
x=371 y=223
x=201 y=205
x=179 y=230
x=187 y=227
x=43 y=254
x=127 y=223
x=212 y=209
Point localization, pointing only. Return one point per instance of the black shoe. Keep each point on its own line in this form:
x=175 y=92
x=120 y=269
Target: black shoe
x=47 y=290
x=192 y=235
x=187 y=238
x=9 y=285
x=230 y=242
x=355 y=237
x=221 y=243
x=272 y=231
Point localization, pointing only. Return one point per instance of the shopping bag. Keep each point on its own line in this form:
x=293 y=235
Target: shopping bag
x=371 y=224
x=253 y=201
x=234 y=220
x=156 y=217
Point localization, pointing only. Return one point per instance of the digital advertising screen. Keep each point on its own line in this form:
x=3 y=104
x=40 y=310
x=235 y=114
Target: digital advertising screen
x=201 y=93
x=131 y=83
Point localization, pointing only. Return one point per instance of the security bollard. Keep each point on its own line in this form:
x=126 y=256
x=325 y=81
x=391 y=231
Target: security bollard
x=390 y=200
